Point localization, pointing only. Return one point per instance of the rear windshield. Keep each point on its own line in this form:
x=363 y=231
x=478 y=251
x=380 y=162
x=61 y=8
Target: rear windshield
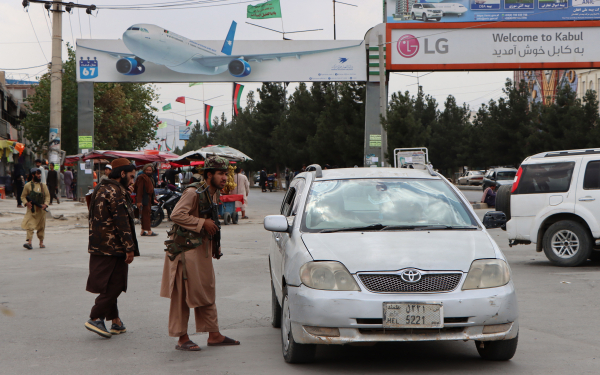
x=545 y=178
x=476 y=173
x=506 y=175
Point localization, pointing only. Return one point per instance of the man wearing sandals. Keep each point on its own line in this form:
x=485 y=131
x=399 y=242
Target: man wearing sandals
x=112 y=246
x=188 y=275
x=37 y=196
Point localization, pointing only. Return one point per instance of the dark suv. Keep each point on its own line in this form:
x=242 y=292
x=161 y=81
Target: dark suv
x=499 y=177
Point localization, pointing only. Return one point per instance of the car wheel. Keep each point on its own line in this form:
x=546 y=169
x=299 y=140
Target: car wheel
x=292 y=351
x=497 y=350
x=567 y=243
x=275 y=309
x=503 y=200
x=424 y=17
x=413 y=16
x=226 y=218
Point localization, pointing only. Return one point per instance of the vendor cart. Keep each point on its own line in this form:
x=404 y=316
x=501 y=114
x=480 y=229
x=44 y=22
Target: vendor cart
x=227 y=209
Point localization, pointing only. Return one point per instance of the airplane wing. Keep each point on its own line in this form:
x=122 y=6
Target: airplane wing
x=117 y=55
x=214 y=61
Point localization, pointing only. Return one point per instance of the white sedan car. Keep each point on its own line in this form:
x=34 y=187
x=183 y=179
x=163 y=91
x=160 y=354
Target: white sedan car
x=367 y=255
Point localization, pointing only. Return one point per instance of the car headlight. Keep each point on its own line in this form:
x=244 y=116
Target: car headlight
x=327 y=276
x=487 y=273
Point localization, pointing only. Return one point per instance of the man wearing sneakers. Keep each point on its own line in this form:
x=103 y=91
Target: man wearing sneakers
x=112 y=246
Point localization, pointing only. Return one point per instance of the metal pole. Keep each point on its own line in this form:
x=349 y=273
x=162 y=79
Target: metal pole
x=382 y=96
x=334 y=36
x=56 y=86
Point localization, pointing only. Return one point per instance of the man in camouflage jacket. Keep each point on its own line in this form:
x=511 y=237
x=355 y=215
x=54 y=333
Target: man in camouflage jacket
x=112 y=246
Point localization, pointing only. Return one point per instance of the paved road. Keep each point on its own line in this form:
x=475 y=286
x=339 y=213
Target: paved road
x=44 y=306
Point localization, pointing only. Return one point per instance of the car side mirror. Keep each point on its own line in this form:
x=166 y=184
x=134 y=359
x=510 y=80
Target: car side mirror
x=276 y=223
x=494 y=219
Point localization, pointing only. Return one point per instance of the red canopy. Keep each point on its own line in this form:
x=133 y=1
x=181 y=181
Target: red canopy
x=139 y=156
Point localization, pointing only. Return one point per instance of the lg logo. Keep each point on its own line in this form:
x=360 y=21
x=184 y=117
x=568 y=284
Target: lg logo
x=408 y=46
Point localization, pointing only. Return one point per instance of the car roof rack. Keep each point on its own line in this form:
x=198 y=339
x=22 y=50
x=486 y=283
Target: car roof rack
x=315 y=168
x=428 y=167
x=567 y=153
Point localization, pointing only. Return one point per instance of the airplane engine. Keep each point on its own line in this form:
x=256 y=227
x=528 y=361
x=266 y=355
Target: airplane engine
x=130 y=66
x=239 y=68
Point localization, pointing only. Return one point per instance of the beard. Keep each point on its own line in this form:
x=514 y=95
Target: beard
x=125 y=182
x=37 y=179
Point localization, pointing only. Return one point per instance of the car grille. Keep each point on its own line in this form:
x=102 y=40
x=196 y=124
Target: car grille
x=435 y=282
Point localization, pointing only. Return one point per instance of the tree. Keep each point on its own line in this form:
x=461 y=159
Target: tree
x=123 y=114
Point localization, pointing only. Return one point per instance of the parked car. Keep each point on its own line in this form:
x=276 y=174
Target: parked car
x=425 y=12
x=555 y=204
x=365 y=255
x=499 y=177
x=471 y=178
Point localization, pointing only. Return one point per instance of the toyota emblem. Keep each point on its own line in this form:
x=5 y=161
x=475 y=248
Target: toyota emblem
x=410 y=276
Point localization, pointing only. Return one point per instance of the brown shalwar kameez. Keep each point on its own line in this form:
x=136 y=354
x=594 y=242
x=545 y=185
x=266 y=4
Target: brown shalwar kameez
x=198 y=291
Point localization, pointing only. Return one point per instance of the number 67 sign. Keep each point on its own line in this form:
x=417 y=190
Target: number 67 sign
x=88 y=69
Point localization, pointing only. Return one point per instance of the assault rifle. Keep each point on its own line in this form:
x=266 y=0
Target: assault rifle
x=33 y=205
x=214 y=213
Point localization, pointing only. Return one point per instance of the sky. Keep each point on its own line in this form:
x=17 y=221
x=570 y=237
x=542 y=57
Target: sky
x=21 y=30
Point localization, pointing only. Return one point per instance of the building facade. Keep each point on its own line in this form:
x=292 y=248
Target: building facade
x=544 y=84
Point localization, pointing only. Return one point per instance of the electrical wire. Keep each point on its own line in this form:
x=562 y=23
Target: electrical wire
x=71 y=26
x=36 y=37
x=47 y=14
x=31 y=67
x=79 y=17
x=177 y=8
x=90 y=23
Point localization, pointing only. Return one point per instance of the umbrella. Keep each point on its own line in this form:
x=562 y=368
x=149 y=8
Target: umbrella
x=201 y=154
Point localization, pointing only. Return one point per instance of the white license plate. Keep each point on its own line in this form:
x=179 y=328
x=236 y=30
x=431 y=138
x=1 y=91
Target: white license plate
x=412 y=315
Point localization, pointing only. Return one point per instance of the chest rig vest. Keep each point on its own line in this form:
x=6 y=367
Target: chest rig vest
x=182 y=239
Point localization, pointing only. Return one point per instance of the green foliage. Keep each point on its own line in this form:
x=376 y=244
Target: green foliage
x=123 y=113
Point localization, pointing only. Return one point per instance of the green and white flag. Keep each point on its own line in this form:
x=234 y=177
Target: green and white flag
x=270 y=9
x=195 y=83
x=167 y=107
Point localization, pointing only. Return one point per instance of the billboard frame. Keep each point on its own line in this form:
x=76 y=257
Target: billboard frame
x=486 y=25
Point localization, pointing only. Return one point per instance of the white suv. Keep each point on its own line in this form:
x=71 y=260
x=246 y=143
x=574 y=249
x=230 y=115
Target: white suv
x=426 y=12
x=555 y=203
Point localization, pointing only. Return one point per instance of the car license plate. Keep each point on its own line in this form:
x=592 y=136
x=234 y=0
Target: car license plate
x=412 y=315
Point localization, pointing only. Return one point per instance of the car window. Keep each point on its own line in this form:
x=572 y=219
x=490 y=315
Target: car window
x=338 y=204
x=506 y=175
x=288 y=199
x=299 y=189
x=428 y=6
x=476 y=173
x=591 y=180
x=545 y=178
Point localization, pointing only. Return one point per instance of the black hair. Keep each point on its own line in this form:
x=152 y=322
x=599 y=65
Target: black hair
x=206 y=171
x=116 y=172
x=38 y=161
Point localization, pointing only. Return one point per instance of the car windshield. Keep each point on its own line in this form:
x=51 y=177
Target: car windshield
x=384 y=204
x=506 y=175
x=428 y=6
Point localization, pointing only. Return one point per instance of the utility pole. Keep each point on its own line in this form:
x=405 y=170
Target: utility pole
x=382 y=96
x=56 y=72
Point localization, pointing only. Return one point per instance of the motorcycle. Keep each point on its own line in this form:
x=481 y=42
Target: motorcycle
x=169 y=199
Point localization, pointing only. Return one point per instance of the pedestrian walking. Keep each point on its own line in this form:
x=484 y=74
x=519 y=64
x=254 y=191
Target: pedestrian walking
x=61 y=182
x=68 y=182
x=144 y=198
x=188 y=274
x=52 y=182
x=263 y=179
x=112 y=246
x=107 y=170
x=18 y=182
x=243 y=188
x=37 y=196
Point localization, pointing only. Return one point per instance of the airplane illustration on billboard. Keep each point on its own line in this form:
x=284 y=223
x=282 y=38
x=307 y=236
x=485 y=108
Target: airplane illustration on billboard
x=157 y=45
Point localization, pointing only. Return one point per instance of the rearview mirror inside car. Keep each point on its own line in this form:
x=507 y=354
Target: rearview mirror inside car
x=494 y=219
x=276 y=223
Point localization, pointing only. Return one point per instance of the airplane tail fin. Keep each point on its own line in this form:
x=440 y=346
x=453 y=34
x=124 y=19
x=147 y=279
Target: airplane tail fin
x=228 y=45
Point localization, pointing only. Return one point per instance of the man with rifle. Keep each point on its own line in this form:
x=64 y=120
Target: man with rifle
x=188 y=274
x=37 y=196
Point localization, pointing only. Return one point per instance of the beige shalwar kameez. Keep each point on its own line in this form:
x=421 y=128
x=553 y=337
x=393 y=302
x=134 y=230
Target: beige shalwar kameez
x=243 y=188
x=35 y=220
x=198 y=291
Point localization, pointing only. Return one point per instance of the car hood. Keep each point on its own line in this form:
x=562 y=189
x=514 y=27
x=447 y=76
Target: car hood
x=391 y=251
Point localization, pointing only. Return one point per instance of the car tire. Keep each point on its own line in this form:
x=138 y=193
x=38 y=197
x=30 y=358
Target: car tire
x=412 y=15
x=292 y=351
x=503 y=200
x=573 y=233
x=497 y=350
x=275 y=309
x=424 y=17
x=226 y=218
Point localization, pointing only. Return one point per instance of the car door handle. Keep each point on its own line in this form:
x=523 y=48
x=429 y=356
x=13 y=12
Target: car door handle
x=587 y=199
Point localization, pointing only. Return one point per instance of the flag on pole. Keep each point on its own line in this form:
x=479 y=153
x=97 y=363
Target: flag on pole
x=180 y=99
x=207 y=116
x=237 y=96
x=159 y=147
x=195 y=83
x=188 y=123
x=270 y=9
x=166 y=107
x=162 y=124
x=167 y=146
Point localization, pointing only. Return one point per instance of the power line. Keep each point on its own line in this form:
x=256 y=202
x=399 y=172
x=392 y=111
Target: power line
x=49 y=32
x=79 y=18
x=31 y=67
x=90 y=23
x=177 y=8
x=71 y=26
x=36 y=37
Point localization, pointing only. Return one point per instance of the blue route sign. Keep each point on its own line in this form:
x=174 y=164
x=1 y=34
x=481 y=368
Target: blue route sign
x=88 y=69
